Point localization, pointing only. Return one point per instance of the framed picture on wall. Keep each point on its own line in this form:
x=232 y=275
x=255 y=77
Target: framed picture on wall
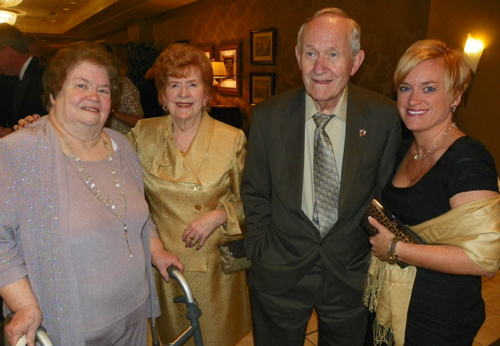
x=229 y=54
x=263 y=46
x=261 y=87
x=209 y=51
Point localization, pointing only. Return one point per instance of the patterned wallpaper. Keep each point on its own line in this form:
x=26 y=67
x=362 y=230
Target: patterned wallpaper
x=388 y=27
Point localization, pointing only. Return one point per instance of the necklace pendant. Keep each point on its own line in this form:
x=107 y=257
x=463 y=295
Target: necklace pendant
x=125 y=232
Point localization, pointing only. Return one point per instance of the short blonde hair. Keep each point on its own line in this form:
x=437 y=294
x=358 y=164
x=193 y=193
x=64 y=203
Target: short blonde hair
x=456 y=70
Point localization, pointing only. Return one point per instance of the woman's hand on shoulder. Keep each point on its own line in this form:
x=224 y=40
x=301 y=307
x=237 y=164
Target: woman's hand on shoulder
x=30 y=119
x=25 y=322
x=197 y=233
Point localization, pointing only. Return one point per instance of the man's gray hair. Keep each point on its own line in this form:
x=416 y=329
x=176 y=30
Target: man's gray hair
x=335 y=12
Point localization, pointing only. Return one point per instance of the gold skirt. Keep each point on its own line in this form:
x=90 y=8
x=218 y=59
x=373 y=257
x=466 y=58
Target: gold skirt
x=223 y=300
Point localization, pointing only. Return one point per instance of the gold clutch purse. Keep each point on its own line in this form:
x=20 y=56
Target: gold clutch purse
x=389 y=221
x=233 y=258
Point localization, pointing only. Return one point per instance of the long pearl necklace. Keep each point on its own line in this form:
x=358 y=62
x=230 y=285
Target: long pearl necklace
x=87 y=180
x=418 y=157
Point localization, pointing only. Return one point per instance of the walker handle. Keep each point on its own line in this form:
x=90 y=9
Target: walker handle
x=41 y=334
x=176 y=274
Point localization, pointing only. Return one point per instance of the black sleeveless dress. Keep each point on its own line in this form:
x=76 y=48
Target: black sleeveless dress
x=444 y=309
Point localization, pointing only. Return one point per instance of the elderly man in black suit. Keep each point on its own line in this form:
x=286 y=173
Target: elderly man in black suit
x=27 y=89
x=306 y=186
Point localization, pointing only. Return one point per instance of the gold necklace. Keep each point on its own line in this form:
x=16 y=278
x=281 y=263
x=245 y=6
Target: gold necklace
x=179 y=146
x=418 y=157
x=87 y=180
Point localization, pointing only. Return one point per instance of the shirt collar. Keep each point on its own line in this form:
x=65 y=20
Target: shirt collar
x=340 y=110
x=25 y=66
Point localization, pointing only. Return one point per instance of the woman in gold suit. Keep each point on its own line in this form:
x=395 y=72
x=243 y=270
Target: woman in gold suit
x=192 y=171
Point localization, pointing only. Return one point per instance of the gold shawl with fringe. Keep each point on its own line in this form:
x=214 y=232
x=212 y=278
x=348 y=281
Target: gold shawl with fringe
x=474 y=227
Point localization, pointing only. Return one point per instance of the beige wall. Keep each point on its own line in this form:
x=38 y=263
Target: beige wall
x=388 y=28
x=451 y=21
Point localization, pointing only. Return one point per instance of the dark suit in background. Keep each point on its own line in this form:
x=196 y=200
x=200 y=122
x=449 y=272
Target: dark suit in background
x=19 y=98
x=7 y=87
x=149 y=99
x=295 y=270
x=28 y=94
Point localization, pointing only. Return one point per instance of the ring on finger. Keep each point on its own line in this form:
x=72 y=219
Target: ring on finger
x=194 y=242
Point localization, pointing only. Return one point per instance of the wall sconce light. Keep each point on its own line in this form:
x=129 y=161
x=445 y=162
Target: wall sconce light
x=220 y=72
x=8 y=17
x=473 y=50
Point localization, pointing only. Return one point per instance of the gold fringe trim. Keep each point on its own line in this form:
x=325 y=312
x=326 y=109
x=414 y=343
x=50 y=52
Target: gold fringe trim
x=382 y=335
x=373 y=283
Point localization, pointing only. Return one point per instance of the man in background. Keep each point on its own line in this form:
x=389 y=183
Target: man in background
x=24 y=92
x=306 y=186
x=33 y=44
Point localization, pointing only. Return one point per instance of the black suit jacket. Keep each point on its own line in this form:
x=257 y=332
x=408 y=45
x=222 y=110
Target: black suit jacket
x=7 y=86
x=28 y=93
x=282 y=242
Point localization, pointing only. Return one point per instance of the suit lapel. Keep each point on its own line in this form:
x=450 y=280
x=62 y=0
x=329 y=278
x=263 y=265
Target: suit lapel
x=20 y=90
x=197 y=152
x=354 y=144
x=170 y=164
x=292 y=130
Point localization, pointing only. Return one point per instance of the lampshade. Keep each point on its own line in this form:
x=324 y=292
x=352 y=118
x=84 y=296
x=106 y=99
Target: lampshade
x=219 y=69
x=10 y=3
x=473 y=51
x=8 y=17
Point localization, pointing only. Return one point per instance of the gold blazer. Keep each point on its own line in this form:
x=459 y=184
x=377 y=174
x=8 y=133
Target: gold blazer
x=180 y=188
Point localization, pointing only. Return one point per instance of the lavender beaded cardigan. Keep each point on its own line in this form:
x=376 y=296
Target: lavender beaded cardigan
x=32 y=213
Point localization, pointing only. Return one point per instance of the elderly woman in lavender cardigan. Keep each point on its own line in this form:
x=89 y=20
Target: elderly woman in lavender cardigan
x=76 y=240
